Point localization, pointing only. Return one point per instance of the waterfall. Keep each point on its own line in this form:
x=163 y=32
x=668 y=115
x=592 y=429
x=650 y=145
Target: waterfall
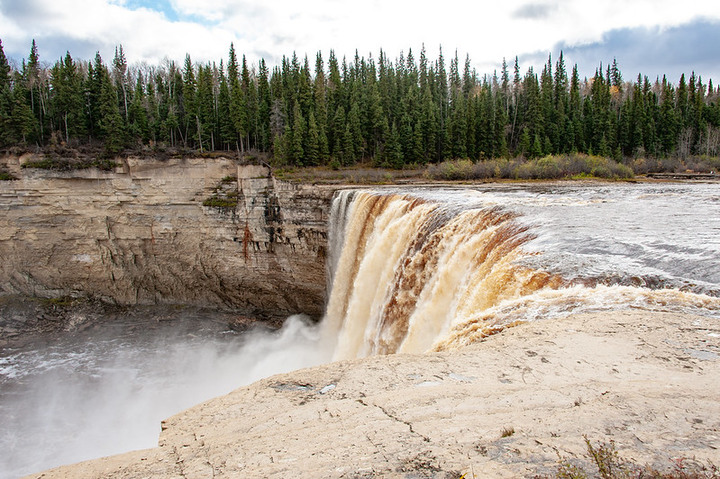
x=408 y=269
x=409 y=273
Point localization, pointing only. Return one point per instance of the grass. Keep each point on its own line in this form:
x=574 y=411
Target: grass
x=5 y=176
x=64 y=164
x=362 y=174
x=218 y=202
x=225 y=194
x=606 y=463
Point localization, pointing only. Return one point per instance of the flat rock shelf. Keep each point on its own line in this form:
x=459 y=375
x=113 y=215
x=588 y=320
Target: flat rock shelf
x=507 y=406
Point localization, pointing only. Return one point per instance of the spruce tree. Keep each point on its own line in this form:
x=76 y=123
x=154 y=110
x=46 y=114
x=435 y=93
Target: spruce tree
x=299 y=130
x=110 y=122
x=188 y=117
x=6 y=135
x=67 y=98
x=392 y=154
x=138 y=124
x=237 y=100
x=312 y=143
x=120 y=75
x=264 y=107
x=226 y=128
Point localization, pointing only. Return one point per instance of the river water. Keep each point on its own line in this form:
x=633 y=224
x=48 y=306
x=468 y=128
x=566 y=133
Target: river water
x=412 y=270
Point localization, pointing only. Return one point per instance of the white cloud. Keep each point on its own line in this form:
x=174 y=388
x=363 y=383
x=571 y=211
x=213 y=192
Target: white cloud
x=486 y=31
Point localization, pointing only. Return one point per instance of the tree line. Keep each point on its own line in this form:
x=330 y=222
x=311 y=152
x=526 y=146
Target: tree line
x=391 y=112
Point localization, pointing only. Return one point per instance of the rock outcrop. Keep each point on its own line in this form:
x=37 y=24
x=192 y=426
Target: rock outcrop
x=147 y=234
x=508 y=406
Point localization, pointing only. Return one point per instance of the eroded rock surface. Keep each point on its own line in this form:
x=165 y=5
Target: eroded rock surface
x=505 y=407
x=141 y=235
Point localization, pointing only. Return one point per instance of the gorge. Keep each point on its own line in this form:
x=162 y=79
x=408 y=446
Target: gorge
x=427 y=272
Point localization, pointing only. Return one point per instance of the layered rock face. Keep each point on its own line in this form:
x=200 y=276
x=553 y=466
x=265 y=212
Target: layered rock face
x=141 y=235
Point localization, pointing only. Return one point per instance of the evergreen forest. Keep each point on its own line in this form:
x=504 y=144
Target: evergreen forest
x=341 y=112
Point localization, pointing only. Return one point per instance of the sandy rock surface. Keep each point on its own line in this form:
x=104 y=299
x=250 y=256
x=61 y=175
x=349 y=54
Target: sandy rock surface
x=648 y=381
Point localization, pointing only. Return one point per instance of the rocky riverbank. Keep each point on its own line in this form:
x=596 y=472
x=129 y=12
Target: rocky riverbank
x=508 y=406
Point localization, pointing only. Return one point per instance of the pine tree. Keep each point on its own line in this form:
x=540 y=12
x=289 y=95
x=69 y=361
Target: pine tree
x=6 y=101
x=226 y=128
x=237 y=100
x=668 y=121
x=110 y=122
x=524 y=144
x=264 y=107
x=299 y=130
x=121 y=78
x=23 y=123
x=392 y=154
x=249 y=105
x=35 y=88
x=138 y=124
x=312 y=144
x=204 y=109
x=188 y=117
x=67 y=100
x=576 y=137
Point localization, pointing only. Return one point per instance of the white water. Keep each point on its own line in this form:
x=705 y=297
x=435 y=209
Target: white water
x=409 y=272
x=92 y=395
x=421 y=269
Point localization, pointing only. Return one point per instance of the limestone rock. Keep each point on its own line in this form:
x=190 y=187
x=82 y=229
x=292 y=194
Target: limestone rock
x=505 y=407
x=141 y=235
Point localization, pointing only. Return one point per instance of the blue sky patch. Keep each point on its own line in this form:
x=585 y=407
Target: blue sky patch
x=162 y=6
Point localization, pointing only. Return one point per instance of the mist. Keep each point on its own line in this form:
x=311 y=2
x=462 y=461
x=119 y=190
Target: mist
x=95 y=394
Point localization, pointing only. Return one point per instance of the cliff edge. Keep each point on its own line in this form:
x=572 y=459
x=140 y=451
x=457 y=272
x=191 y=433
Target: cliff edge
x=508 y=406
x=199 y=232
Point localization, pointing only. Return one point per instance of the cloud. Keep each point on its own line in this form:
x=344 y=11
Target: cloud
x=651 y=51
x=150 y=31
x=534 y=11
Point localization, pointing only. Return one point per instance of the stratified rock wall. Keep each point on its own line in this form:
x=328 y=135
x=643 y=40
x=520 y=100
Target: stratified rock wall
x=141 y=235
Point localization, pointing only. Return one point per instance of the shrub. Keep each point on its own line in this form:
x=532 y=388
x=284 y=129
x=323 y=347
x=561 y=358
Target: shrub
x=550 y=167
x=217 y=202
x=63 y=164
x=606 y=460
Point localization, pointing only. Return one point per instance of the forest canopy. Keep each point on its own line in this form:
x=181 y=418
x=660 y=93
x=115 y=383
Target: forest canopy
x=392 y=113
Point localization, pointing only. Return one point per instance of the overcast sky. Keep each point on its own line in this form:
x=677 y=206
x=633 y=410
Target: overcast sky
x=652 y=37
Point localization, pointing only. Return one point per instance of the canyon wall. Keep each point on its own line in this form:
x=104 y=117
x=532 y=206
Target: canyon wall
x=142 y=235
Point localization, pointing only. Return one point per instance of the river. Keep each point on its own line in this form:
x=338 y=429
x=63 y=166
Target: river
x=412 y=270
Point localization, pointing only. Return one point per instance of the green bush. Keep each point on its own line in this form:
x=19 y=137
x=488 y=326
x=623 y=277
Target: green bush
x=217 y=202
x=550 y=167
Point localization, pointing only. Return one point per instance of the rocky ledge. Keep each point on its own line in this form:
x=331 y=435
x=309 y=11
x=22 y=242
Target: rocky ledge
x=505 y=407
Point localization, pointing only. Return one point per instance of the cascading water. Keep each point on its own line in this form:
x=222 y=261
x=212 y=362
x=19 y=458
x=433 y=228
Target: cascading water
x=409 y=270
x=419 y=270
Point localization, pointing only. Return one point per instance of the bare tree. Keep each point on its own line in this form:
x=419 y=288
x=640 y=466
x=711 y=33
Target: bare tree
x=711 y=140
x=684 y=147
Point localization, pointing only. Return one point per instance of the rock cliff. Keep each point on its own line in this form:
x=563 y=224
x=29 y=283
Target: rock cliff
x=149 y=233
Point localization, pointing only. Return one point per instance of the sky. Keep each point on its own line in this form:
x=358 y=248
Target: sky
x=652 y=37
